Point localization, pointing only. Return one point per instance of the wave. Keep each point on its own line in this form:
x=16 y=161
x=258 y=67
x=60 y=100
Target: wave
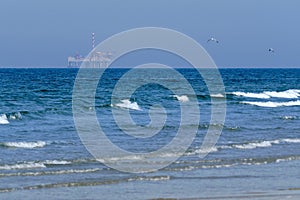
x=288 y=94
x=88 y=183
x=252 y=95
x=217 y=96
x=3 y=119
x=291 y=140
x=184 y=165
x=150 y=178
x=126 y=103
x=34 y=164
x=272 y=104
x=57 y=162
x=254 y=145
x=15 y=116
x=27 y=145
x=260 y=144
x=11 y=116
x=182 y=98
x=27 y=165
x=201 y=151
x=289 y=117
x=56 y=172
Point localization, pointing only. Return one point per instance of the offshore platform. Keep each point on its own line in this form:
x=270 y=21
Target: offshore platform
x=98 y=59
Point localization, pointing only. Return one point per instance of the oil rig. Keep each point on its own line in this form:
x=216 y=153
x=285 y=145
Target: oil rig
x=97 y=59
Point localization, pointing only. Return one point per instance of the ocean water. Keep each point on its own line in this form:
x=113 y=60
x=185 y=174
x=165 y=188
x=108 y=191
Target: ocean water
x=257 y=155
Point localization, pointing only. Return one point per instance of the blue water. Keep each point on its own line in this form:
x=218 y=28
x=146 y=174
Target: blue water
x=257 y=154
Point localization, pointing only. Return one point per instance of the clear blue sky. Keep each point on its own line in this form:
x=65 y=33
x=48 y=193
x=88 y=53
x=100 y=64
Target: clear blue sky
x=44 y=33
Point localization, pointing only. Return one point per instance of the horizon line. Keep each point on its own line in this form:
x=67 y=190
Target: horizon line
x=177 y=67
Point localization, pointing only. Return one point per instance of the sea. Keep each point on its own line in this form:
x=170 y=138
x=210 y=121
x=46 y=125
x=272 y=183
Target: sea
x=257 y=154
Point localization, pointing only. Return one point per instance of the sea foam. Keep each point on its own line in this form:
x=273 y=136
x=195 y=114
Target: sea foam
x=182 y=98
x=287 y=94
x=262 y=144
x=22 y=166
x=126 y=103
x=254 y=145
x=252 y=95
x=217 y=95
x=28 y=145
x=3 y=119
x=272 y=104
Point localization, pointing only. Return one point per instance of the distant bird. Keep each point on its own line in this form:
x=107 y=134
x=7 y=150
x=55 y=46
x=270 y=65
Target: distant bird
x=271 y=50
x=212 y=39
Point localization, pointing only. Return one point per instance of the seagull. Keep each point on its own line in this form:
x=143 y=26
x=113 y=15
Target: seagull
x=271 y=50
x=213 y=40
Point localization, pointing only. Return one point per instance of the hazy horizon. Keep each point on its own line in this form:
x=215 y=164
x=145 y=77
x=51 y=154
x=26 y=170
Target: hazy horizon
x=44 y=34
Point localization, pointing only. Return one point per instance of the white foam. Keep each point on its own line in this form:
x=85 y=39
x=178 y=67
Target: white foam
x=15 y=116
x=22 y=166
x=272 y=104
x=56 y=162
x=254 y=145
x=263 y=144
x=288 y=94
x=41 y=173
x=213 y=149
x=157 y=178
x=294 y=140
x=289 y=117
x=29 y=145
x=217 y=95
x=3 y=119
x=182 y=98
x=252 y=95
x=126 y=103
x=287 y=159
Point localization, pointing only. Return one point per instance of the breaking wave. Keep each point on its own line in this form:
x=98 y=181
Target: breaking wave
x=10 y=116
x=254 y=145
x=34 y=164
x=272 y=104
x=217 y=96
x=252 y=95
x=261 y=144
x=150 y=178
x=182 y=98
x=289 y=117
x=126 y=103
x=288 y=94
x=28 y=145
x=3 y=119
x=27 y=165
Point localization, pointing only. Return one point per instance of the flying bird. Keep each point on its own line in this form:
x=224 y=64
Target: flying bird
x=271 y=50
x=212 y=39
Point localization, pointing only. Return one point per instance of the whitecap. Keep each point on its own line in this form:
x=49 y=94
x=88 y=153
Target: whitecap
x=56 y=162
x=289 y=117
x=272 y=104
x=155 y=178
x=252 y=95
x=28 y=145
x=206 y=150
x=182 y=98
x=291 y=140
x=289 y=94
x=3 y=119
x=15 y=116
x=28 y=165
x=253 y=145
x=217 y=95
x=126 y=103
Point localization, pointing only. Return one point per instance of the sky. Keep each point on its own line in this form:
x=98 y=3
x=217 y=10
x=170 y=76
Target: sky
x=36 y=33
